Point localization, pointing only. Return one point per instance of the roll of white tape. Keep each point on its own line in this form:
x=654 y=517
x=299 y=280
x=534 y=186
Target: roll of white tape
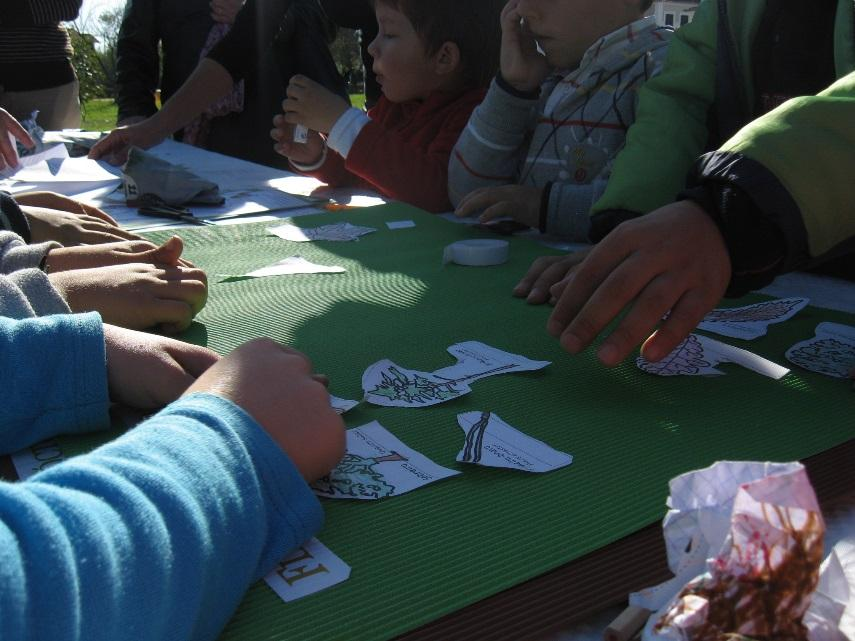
x=477 y=253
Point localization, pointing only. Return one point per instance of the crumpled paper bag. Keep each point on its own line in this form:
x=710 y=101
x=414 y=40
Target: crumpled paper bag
x=744 y=541
x=174 y=185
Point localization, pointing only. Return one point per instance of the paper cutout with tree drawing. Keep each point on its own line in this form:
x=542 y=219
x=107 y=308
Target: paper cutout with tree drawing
x=390 y=385
x=493 y=443
x=698 y=355
x=377 y=465
x=751 y=321
x=338 y=232
x=830 y=352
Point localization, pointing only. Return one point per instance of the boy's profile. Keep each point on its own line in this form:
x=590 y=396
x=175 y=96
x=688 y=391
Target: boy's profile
x=541 y=145
x=432 y=61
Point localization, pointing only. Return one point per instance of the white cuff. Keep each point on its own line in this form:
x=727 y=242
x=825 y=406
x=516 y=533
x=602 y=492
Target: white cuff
x=346 y=129
x=313 y=166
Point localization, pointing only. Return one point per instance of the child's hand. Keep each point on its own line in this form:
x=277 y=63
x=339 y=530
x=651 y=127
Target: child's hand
x=147 y=371
x=307 y=153
x=520 y=202
x=523 y=66
x=8 y=153
x=543 y=280
x=136 y=296
x=52 y=200
x=275 y=385
x=70 y=229
x=673 y=259
x=312 y=105
x=63 y=259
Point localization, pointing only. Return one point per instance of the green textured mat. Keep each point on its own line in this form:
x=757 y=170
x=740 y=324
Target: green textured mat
x=437 y=549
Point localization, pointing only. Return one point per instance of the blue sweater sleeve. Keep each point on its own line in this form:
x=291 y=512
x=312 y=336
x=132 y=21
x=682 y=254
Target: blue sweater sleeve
x=54 y=378
x=156 y=535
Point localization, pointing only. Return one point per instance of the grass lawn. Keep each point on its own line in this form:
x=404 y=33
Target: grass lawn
x=100 y=114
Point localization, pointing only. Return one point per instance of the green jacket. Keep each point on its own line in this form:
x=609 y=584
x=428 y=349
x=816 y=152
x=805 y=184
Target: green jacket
x=807 y=145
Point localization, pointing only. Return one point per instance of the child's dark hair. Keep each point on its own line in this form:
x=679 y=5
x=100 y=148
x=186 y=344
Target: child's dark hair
x=473 y=25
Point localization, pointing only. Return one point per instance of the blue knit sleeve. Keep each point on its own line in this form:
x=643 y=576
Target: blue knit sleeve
x=54 y=378
x=156 y=535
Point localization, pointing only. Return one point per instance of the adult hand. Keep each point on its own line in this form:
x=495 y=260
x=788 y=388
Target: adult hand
x=225 y=11
x=51 y=200
x=523 y=66
x=274 y=384
x=72 y=229
x=63 y=259
x=147 y=371
x=547 y=272
x=136 y=296
x=674 y=259
x=311 y=104
x=115 y=146
x=520 y=202
x=308 y=153
x=8 y=153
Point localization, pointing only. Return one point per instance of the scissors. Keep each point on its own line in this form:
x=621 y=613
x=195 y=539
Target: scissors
x=156 y=207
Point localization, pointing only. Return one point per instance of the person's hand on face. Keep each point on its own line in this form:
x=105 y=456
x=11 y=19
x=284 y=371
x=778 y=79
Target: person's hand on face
x=275 y=385
x=671 y=260
x=522 y=65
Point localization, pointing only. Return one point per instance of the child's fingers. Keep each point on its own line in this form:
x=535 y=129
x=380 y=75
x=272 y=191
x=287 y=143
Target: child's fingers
x=501 y=209
x=473 y=201
x=538 y=267
x=684 y=317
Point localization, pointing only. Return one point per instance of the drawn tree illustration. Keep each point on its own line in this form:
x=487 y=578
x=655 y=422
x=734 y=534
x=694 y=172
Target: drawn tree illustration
x=687 y=358
x=827 y=356
x=475 y=439
x=399 y=386
x=356 y=477
x=768 y=311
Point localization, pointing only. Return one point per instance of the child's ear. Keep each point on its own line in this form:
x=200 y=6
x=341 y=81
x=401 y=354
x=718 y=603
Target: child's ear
x=447 y=58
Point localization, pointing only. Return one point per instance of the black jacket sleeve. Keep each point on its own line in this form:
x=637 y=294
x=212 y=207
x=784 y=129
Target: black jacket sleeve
x=137 y=59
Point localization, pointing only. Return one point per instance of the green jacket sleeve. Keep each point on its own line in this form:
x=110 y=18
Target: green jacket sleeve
x=670 y=130
x=808 y=144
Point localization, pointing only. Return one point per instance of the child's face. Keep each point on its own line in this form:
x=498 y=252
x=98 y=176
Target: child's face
x=403 y=69
x=565 y=29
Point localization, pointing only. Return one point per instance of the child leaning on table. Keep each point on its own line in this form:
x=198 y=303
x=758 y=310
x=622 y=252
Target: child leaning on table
x=433 y=60
x=540 y=146
x=158 y=534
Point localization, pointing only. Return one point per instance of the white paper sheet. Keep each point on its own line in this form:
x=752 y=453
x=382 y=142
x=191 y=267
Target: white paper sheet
x=378 y=465
x=293 y=265
x=400 y=224
x=698 y=355
x=493 y=443
x=388 y=384
x=831 y=351
x=339 y=232
x=342 y=405
x=52 y=153
x=311 y=568
x=751 y=321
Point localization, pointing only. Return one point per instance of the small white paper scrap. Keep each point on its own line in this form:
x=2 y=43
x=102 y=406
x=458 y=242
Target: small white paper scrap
x=294 y=265
x=493 y=443
x=830 y=352
x=301 y=134
x=342 y=232
x=751 y=321
x=377 y=465
x=388 y=384
x=342 y=405
x=400 y=224
x=698 y=356
x=312 y=567
x=37 y=458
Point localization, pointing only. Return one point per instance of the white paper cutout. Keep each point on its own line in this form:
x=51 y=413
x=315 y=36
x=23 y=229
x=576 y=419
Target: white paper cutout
x=377 y=465
x=493 y=443
x=386 y=383
x=341 y=232
x=751 y=321
x=310 y=568
x=39 y=160
x=37 y=458
x=401 y=224
x=831 y=352
x=342 y=405
x=698 y=356
x=294 y=265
